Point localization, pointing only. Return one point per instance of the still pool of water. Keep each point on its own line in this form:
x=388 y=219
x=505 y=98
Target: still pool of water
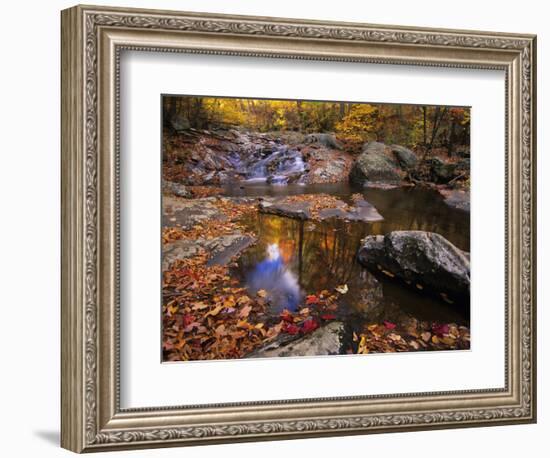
x=294 y=258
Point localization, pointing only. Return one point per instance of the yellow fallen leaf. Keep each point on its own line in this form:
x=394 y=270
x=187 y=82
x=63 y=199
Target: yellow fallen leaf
x=214 y=311
x=342 y=289
x=363 y=350
x=262 y=293
x=448 y=340
x=244 y=300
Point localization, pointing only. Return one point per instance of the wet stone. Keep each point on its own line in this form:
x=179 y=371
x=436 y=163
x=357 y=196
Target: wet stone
x=187 y=213
x=327 y=340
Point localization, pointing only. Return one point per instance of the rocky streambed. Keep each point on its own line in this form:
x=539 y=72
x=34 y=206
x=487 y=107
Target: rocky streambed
x=343 y=254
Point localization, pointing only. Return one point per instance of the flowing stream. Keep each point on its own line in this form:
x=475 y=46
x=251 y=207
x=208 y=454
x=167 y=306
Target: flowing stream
x=276 y=164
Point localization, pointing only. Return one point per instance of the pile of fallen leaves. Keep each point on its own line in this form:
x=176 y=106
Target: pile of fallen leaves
x=316 y=310
x=318 y=202
x=206 y=315
x=204 y=191
x=388 y=337
x=208 y=229
x=235 y=210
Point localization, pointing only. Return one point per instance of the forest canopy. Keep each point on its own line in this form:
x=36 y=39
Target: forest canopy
x=412 y=125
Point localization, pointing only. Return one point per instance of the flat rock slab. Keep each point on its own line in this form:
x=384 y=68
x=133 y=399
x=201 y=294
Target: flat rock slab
x=187 y=213
x=456 y=198
x=221 y=249
x=364 y=211
x=327 y=340
x=299 y=210
x=361 y=211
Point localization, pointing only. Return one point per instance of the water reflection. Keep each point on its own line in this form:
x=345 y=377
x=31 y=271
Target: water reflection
x=293 y=258
x=273 y=275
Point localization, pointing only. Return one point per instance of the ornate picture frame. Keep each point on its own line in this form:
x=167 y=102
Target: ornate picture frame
x=92 y=41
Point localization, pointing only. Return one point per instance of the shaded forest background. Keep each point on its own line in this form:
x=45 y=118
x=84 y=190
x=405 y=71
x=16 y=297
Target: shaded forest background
x=422 y=127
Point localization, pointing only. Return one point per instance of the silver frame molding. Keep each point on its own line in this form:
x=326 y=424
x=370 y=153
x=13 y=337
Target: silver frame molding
x=92 y=40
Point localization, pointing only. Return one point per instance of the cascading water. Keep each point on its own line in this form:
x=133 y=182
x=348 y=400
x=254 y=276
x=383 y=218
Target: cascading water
x=277 y=165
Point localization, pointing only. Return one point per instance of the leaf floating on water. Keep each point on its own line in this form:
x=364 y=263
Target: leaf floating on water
x=261 y=293
x=342 y=289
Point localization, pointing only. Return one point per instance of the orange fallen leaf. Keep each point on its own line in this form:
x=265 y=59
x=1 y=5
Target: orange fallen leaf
x=245 y=311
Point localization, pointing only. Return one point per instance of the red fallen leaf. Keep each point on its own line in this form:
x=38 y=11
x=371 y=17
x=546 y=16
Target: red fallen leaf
x=312 y=299
x=309 y=325
x=440 y=329
x=291 y=329
x=389 y=325
x=328 y=316
x=287 y=316
x=188 y=319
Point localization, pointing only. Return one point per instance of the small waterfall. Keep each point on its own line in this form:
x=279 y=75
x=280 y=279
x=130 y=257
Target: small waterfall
x=277 y=165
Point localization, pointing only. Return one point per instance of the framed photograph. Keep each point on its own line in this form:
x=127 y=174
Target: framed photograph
x=278 y=228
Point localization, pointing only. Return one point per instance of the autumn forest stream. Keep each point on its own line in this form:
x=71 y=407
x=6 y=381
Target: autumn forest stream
x=294 y=258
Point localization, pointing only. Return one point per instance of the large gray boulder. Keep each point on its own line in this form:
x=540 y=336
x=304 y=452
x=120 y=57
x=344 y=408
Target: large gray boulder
x=328 y=140
x=404 y=156
x=376 y=164
x=327 y=340
x=422 y=259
